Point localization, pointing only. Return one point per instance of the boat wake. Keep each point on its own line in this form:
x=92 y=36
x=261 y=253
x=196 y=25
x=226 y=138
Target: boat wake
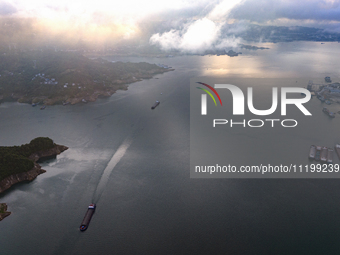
x=109 y=168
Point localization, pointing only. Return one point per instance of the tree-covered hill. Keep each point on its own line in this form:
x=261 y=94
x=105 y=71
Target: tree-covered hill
x=14 y=159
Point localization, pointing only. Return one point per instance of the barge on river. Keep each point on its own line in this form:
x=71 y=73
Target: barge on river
x=155 y=105
x=318 y=153
x=329 y=113
x=330 y=156
x=86 y=221
x=312 y=152
x=324 y=152
x=337 y=149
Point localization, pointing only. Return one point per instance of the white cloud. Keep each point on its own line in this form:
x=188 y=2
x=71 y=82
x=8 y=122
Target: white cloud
x=199 y=35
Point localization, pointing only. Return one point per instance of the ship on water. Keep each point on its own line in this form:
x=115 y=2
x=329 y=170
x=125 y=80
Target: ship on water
x=337 y=149
x=155 y=105
x=330 y=156
x=330 y=114
x=86 y=221
x=312 y=152
x=318 y=153
x=324 y=152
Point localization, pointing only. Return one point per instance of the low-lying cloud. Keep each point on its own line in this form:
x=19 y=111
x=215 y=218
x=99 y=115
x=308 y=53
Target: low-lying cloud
x=6 y=9
x=197 y=36
x=201 y=34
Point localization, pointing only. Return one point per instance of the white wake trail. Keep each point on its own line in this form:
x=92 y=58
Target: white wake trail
x=109 y=168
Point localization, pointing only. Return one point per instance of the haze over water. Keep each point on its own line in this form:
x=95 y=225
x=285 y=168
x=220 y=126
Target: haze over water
x=147 y=204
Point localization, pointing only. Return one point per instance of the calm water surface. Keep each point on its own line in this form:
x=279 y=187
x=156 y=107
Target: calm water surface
x=134 y=163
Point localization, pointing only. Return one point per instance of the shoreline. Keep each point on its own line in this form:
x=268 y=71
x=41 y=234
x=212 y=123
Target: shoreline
x=82 y=97
x=30 y=175
x=3 y=211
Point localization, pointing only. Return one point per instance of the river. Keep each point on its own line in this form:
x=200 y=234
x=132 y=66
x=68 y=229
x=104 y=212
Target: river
x=134 y=163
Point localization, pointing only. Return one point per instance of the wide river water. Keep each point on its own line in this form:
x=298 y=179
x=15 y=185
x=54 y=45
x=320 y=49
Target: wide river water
x=134 y=163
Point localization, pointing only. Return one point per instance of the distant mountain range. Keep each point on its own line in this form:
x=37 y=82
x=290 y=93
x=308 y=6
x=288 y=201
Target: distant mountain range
x=257 y=33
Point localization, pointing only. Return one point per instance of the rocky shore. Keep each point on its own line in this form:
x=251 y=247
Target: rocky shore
x=35 y=171
x=3 y=211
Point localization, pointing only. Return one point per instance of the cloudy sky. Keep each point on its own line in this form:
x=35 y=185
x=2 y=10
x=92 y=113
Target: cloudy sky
x=182 y=24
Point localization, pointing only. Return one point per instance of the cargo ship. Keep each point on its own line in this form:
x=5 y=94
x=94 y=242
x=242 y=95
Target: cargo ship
x=155 y=105
x=312 y=152
x=330 y=156
x=318 y=153
x=86 y=221
x=324 y=153
x=337 y=149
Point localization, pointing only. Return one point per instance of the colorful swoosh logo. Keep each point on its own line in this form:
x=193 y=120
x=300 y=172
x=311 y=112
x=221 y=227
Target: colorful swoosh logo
x=208 y=92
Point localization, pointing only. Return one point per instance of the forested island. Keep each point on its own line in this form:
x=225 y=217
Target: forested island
x=55 y=77
x=19 y=163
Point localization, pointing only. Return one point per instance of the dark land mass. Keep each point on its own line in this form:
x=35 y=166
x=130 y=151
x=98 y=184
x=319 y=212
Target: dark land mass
x=49 y=77
x=257 y=33
x=3 y=211
x=230 y=53
x=22 y=159
x=251 y=47
x=19 y=163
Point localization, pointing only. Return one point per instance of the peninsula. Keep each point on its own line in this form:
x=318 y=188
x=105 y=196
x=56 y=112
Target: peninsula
x=19 y=163
x=3 y=211
x=66 y=77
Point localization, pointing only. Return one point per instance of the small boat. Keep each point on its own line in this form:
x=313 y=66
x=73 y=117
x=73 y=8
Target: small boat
x=84 y=101
x=330 y=156
x=337 y=149
x=318 y=153
x=66 y=103
x=155 y=105
x=321 y=98
x=330 y=114
x=312 y=152
x=324 y=152
x=43 y=107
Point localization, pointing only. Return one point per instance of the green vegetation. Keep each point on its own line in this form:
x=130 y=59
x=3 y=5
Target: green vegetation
x=2 y=208
x=14 y=159
x=33 y=76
